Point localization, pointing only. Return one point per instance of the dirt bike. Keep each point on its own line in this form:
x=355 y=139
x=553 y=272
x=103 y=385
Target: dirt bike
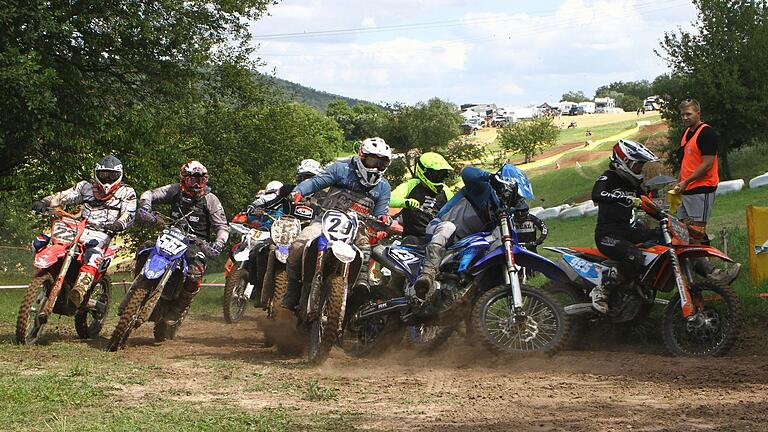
x=57 y=267
x=241 y=272
x=702 y=318
x=158 y=284
x=479 y=277
x=283 y=232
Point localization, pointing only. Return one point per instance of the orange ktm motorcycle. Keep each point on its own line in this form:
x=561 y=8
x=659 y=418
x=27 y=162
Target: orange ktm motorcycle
x=701 y=319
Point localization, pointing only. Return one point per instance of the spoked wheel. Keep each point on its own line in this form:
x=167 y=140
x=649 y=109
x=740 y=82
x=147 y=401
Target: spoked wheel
x=429 y=338
x=88 y=323
x=128 y=318
x=543 y=328
x=235 y=300
x=325 y=328
x=29 y=327
x=712 y=331
x=371 y=336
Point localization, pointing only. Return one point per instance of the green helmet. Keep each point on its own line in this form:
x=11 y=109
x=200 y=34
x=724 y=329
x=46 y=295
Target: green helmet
x=432 y=169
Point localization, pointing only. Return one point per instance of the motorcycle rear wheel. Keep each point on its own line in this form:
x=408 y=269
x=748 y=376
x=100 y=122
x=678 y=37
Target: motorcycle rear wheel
x=716 y=336
x=28 y=326
x=101 y=291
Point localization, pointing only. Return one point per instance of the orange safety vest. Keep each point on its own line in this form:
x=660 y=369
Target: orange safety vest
x=692 y=160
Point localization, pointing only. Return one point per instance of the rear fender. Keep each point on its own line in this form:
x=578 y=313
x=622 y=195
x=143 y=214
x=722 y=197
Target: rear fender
x=698 y=251
x=49 y=255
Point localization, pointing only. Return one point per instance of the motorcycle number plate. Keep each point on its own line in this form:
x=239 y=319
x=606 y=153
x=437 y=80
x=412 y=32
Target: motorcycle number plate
x=170 y=244
x=403 y=256
x=63 y=233
x=338 y=226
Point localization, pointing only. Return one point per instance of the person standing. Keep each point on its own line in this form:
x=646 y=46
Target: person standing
x=698 y=181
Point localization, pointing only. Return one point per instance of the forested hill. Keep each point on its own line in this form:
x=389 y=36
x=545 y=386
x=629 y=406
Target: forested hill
x=314 y=98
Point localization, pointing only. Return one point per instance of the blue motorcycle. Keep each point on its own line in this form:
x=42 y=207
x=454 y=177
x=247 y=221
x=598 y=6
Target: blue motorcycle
x=478 y=279
x=157 y=285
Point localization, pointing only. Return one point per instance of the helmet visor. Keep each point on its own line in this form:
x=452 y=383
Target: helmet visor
x=107 y=176
x=372 y=161
x=436 y=176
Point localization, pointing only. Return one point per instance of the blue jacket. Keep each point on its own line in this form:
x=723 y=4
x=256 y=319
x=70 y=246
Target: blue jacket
x=343 y=174
x=477 y=190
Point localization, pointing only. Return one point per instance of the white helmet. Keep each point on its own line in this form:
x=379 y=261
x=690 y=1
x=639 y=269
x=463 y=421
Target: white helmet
x=308 y=168
x=372 y=160
x=628 y=157
x=273 y=187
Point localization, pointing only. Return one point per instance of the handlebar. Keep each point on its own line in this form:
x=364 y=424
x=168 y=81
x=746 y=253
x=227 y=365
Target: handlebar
x=60 y=212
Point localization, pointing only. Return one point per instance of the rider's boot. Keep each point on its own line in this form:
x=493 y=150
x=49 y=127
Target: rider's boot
x=705 y=269
x=190 y=290
x=599 y=295
x=77 y=293
x=434 y=254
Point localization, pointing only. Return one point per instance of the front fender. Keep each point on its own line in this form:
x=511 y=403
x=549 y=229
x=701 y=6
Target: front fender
x=698 y=251
x=49 y=255
x=155 y=266
x=523 y=258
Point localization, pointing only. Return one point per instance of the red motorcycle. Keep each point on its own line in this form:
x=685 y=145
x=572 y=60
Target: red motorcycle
x=56 y=268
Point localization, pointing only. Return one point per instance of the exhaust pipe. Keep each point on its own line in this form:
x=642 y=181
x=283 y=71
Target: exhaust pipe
x=579 y=309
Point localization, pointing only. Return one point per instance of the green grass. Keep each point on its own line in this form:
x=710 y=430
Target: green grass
x=749 y=162
x=566 y=185
x=603 y=131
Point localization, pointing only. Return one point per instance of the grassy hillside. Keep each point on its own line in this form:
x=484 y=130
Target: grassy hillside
x=315 y=98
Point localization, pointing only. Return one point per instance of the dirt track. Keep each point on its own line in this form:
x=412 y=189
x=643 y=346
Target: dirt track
x=462 y=388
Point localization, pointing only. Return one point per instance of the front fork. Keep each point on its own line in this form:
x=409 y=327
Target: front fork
x=510 y=276
x=59 y=282
x=686 y=301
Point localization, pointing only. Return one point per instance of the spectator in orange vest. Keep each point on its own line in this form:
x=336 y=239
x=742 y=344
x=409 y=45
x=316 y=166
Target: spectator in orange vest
x=698 y=181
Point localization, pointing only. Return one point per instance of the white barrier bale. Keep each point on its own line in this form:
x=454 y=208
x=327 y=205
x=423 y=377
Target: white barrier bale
x=761 y=180
x=536 y=210
x=729 y=186
x=591 y=211
x=549 y=213
x=574 y=212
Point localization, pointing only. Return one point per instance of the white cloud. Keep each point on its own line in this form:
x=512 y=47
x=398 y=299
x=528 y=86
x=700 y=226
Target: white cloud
x=501 y=50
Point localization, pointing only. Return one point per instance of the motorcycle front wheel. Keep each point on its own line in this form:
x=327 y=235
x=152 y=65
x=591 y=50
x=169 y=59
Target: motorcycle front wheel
x=235 y=301
x=325 y=328
x=543 y=328
x=127 y=320
x=712 y=331
x=28 y=325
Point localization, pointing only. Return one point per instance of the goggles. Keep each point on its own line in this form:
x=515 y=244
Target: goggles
x=436 y=176
x=372 y=161
x=107 y=176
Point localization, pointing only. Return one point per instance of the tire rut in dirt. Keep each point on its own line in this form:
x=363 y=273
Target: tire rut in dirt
x=728 y=301
x=232 y=290
x=102 y=292
x=549 y=305
x=334 y=312
x=32 y=293
x=122 y=331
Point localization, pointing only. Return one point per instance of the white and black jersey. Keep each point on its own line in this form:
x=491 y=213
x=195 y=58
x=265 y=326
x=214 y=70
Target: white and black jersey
x=119 y=208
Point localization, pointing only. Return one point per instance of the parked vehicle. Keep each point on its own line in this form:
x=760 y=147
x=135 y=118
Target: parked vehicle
x=702 y=318
x=576 y=110
x=56 y=268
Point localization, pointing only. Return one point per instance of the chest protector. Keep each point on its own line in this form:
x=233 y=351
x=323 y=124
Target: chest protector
x=199 y=217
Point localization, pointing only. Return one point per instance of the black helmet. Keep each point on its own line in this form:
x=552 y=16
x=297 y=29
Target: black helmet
x=506 y=187
x=521 y=210
x=108 y=174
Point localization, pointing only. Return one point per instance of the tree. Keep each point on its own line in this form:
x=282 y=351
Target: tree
x=415 y=129
x=721 y=63
x=574 y=96
x=529 y=137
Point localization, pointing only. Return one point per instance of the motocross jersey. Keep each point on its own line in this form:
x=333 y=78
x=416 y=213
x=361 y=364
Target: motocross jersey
x=415 y=221
x=205 y=212
x=120 y=207
x=342 y=175
x=526 y=230
x=611 y=193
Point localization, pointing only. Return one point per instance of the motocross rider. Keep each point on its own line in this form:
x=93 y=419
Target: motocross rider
x=363 y=173
x=192 y=197
x=472 y=210
x=526 y=226
x=427 y=192
x=110 y=207
x=616 y=192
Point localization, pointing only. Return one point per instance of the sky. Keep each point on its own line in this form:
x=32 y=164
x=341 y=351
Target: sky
x=508 y=52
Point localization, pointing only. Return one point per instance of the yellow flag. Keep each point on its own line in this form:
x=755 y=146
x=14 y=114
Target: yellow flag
x=757 y=236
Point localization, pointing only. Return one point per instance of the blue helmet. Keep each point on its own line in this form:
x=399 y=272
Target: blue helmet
x=512 y=185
